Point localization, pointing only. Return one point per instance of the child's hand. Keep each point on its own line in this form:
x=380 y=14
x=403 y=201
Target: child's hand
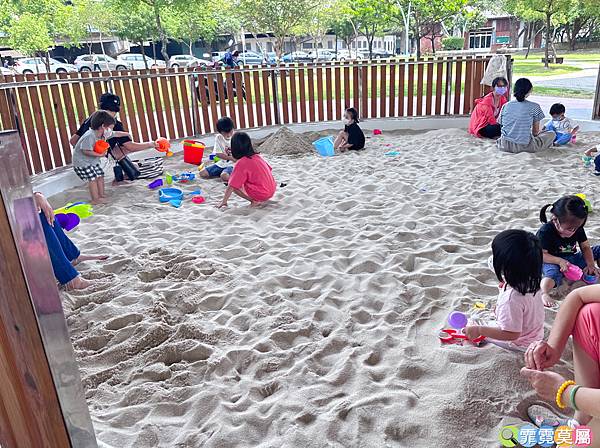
x=591 y=270
x=472 y=331
x=223 y=204
x=564 y=265
x=540 y=356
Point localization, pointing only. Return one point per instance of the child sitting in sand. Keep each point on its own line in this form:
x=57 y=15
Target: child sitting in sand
x=564 y=127
x=252 y=178
x=86 y=156
x=590 y=153
x=517 y=259
x=352 y=137
x=222 y=150
x=560 y=237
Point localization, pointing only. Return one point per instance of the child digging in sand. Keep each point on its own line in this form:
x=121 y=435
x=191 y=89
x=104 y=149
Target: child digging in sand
x=352 y=137
x=222 y=149
x=517 y=256
x=560 y=237
x=86 y=161
x=252 y=178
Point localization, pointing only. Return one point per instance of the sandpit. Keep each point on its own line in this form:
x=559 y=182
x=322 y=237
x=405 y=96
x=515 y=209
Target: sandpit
x=312 y=321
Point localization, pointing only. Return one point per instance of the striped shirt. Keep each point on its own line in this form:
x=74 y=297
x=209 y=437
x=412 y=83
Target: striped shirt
x=517 y=119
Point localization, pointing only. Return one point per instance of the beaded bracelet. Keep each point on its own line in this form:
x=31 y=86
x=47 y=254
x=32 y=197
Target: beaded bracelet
x=572 y=397
x=560 y=391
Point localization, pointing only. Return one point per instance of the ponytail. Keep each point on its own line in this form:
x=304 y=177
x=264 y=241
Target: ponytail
x=543 y=217
x=565 y=208
x=522 y=88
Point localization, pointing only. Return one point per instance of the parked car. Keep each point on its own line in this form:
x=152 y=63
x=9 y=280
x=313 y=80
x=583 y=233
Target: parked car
x=297 y=56
x=250 y=58
x=97 y=62
x=381 y=54
x=6 y=71
x=137 y=61
x=216 y=56
x=321 y=55
x=347 y=55
x=185 y=60
x=272 y=58
x=27 y=66
x=61 y=60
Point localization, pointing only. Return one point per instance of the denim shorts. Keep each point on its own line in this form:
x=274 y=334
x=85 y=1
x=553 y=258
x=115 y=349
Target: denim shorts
x=552 y=271
x=215 y=170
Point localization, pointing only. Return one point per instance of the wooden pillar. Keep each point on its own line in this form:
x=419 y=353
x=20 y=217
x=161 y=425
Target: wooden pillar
x=41 y=398
x=596 y=111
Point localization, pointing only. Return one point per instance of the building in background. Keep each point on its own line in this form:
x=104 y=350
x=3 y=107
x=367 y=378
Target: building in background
x=500 y=31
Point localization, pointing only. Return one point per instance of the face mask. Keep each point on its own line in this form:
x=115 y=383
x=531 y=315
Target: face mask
x=346 y=121
x=500 y=90
x=108 y=134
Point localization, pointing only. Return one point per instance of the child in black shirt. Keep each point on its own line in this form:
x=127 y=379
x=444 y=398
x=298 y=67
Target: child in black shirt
x=560 y=237
x=352 y=136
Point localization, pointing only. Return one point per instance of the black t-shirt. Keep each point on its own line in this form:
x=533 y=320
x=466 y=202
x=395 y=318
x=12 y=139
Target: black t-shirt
x=356 y=138
x=557 y=245
x=115 y=141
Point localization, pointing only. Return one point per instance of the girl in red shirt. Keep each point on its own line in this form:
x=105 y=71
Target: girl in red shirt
x=251 y=178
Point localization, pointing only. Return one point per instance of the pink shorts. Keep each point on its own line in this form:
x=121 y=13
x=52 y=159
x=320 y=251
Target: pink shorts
x=586 y=332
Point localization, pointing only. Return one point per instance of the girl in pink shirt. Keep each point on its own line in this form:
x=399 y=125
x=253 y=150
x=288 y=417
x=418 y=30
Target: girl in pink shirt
x=518 y=261
x=251 y=178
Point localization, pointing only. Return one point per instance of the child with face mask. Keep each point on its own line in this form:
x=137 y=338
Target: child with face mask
x=564 y=127
x=352 y=137
x=484 y=118
x=89 y=150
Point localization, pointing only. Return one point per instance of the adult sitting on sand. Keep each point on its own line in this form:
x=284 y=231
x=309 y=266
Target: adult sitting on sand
x=484 y=118
x=520 y=120
x=579 y=316
x=112 y=104
x=64 y=255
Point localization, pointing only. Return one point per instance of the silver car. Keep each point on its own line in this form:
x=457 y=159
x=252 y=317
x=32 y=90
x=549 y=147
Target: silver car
x=137 y=60
x=26 y=66
x=184 y=60
x=100 y=62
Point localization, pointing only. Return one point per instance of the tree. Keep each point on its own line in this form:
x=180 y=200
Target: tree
x=369 y=18
x=282 y=18
x=190 y=22
x=545 y=10
x=580 y=15
x=343 y=28
x=32 y=26
x=318 y=23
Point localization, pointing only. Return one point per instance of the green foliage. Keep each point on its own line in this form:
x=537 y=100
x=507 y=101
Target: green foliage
x=28 y=35
x=453 y=43
x=369 y=17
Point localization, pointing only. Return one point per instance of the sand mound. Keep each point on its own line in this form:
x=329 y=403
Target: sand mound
x=285 y=142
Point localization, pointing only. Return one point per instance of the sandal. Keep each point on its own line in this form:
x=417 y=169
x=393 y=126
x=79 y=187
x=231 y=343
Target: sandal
x=542 y=415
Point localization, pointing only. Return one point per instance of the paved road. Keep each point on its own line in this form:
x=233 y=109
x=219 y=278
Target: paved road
x=577 y=108
x=587 y=83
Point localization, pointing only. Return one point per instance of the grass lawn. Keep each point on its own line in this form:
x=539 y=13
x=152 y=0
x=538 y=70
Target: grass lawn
x=560 y=92
x=535 y=67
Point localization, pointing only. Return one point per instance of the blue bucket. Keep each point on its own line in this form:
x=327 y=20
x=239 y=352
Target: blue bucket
x=324 y=146
x=169 y=194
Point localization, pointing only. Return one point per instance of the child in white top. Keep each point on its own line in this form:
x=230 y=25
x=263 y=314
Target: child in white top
x=519 y=310
x=223 y=166
x=565 y=128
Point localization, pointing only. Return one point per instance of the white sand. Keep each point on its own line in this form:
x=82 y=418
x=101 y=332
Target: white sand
x=312 y=322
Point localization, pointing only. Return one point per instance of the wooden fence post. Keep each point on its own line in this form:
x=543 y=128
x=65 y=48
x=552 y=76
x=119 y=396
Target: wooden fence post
x=275 y=96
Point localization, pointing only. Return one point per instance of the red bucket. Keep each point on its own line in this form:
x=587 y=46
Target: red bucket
x=193 y=151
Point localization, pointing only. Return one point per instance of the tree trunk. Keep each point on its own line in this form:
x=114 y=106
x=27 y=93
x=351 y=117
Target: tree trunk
x=432 y=39
x=141 y=42
x=547 y=47
x=161 y=34
x=190 y=45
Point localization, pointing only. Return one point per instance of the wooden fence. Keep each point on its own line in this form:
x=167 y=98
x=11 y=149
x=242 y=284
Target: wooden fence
x=48 y=108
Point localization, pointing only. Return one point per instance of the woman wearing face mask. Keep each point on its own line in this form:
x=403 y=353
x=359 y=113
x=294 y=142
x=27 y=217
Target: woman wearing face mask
x=484 y=118
x=352 y=137
x=520 y=120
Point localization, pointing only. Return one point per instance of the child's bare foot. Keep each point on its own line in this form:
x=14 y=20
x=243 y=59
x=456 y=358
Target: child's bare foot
x=83 y=258
x=78 y=283
x=548 y=301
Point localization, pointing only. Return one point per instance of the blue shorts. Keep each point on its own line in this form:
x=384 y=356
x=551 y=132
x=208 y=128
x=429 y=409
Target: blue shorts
x=552 y=271
x=562 y=138
x=215 y=170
